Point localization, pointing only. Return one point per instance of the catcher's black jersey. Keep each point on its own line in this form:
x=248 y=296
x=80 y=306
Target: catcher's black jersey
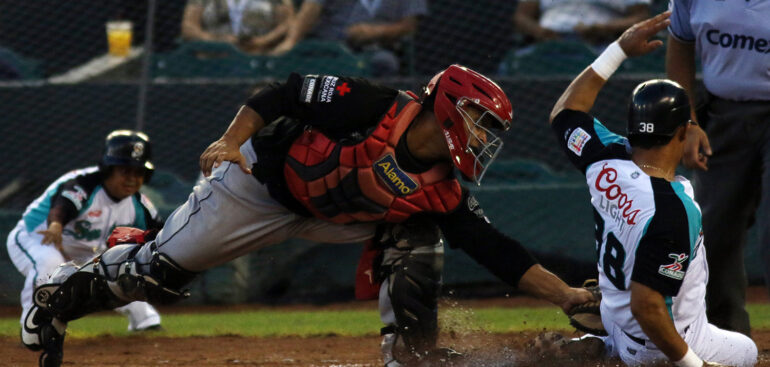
x=348 y=108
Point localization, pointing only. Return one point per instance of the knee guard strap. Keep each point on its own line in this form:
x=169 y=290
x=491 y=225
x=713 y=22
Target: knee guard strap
x=160 y=281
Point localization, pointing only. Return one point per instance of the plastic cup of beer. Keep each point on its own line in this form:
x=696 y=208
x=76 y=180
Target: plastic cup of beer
x=119 y=37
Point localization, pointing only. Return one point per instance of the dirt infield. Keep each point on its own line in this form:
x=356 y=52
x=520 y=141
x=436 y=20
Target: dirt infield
x=497 y=350
x=481 y=349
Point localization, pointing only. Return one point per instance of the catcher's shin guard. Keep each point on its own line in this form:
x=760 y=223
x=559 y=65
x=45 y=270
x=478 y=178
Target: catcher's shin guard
x=122 y=274
x=412 y=265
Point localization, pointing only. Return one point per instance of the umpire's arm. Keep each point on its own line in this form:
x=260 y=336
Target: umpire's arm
x=581 y=93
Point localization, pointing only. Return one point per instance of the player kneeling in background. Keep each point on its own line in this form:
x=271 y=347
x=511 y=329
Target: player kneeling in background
x=335 y=159
x=73 y=218
x=652 y=262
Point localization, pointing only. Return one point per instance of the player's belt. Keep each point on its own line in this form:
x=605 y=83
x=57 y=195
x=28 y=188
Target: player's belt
x=639 y=341
x=643 y=342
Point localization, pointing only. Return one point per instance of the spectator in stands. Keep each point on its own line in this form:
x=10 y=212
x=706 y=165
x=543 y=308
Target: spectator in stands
x=252 y=25
x=376 y=27
x=595 y=21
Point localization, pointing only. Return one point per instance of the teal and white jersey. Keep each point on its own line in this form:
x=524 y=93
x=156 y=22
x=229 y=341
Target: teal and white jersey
x=97 y=213
x=648 y=230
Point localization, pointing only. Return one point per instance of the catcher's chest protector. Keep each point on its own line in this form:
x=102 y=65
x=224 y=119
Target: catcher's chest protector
x=363 y=182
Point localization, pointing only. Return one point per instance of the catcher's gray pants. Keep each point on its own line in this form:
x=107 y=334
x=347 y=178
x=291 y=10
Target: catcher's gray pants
x=735 y=185
x=230 y=213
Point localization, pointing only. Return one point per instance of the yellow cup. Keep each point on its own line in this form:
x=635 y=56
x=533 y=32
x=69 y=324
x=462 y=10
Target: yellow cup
x=119 y=37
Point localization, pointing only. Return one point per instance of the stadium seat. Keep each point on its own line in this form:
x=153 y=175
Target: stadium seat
x=548 y=58
x=206 y=59
x=16 y=67
x=317 y=57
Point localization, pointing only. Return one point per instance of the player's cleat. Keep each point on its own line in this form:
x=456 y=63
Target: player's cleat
x=554 y=346
x=396 y=354
x=156 y=327
x=42 y=331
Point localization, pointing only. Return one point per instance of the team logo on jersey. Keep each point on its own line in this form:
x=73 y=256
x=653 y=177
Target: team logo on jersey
x=94 y=213
x=138 y=151
x=674 y=270
x=577 y=140
x=604 y=183
x=393 y=177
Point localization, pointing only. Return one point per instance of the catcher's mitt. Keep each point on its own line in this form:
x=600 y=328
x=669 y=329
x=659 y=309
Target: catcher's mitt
x=586 y=317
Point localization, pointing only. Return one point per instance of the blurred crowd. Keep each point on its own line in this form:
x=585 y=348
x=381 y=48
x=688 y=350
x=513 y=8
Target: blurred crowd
x=395 y=37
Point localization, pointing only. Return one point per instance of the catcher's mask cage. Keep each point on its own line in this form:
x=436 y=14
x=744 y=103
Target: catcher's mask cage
x=454 y=90
x=490 y=144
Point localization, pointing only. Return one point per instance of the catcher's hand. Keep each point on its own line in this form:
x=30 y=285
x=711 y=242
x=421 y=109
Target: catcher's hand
x=586 y=317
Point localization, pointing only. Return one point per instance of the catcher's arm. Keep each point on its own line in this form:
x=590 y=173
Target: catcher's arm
x=542 y=283
x=649 y=309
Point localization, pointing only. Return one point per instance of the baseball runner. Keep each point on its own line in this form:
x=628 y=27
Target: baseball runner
x=652 y=262
x=73 y=218
x=330 y=159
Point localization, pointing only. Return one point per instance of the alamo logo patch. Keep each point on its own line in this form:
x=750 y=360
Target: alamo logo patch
x=674 y=270
x=577 y=140
x=393 y=177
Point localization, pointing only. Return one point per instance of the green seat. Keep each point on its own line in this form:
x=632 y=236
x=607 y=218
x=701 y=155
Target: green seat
x=317 y=57
x=205 y=59
x=549 y=58
x=23 y=67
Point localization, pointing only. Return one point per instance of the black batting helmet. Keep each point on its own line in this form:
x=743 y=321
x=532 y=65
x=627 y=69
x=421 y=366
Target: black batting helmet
x=127 y=148
x=658 y=107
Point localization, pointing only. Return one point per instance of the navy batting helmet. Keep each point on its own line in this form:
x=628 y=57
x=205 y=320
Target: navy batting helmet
x=128 y=148
x=658 y=107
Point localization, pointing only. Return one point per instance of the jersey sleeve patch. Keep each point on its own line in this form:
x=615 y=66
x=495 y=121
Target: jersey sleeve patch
x=76 y=195
x=577 y=140
x=675 y=269
x=308 y=88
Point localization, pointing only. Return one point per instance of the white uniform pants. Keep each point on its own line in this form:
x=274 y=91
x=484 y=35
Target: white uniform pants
x=36 y=262
x=709 y=342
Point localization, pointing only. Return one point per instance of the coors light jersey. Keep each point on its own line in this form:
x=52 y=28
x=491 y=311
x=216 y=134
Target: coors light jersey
x=97 y=214
x=648 y=230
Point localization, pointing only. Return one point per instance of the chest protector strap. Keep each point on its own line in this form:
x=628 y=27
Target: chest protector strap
x=362 y=182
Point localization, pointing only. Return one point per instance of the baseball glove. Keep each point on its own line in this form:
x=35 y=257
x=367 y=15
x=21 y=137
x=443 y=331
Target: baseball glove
x=586 y=317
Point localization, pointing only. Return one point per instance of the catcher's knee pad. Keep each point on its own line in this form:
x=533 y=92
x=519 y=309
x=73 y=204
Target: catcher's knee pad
x=122 y=274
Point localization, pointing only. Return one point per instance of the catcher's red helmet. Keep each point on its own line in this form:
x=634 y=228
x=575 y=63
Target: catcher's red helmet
x=453 y=90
